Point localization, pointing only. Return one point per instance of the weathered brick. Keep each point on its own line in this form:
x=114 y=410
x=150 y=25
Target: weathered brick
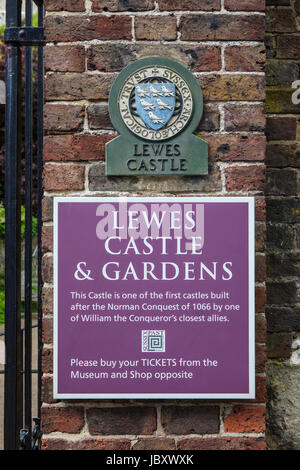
x=221 y=27
x=65 y=58
x=155 y=28
x=222 y=443
x=279 y=345
x=280 y=236
x=260 y=298
x=283 y=155
x=245 y=419
x=260 y=268
x=245 y=58
x=280 y=20
x=162 y=443
x=260 y=237
x=260 y=358
x=247 y=118
x=282 y=319
x=122 y=5
x=260 y=328
x=98 y=116
x=232 y=87
x=86 y=444
x=75 y=147
x=78 y=86
x=202 y=5
x=281 y=128
x=245 y=178
x=66 y=5
x=47 y=268
x=47 y=300
x=47 y=330
x=260 y=208
x=283 y=182
x=63 y=117
x=236 y=147
x=127 y=420
x=47 y=208
x=63 y=176
x=279 y=101
x=47 y=238
x=270 y=45
x=66 y=419
x=86 y=28
x=179 y=184
x=47 y=361
x=210 y=121
x=190 y=419
x=47 y=390
x=113 y=57
x=285 y=263
x=245 y=5
x=288 y=46
x=284 y=210
x=281 y=73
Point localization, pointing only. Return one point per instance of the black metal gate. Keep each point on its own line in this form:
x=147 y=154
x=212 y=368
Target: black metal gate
x=24 y=165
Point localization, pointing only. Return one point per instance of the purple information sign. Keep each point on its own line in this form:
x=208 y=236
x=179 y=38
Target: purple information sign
x=154 y=298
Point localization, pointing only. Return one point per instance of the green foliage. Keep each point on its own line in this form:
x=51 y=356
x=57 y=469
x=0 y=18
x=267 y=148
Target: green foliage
x=2 y=223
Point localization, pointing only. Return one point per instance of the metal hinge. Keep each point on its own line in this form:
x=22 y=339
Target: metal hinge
x=29 y=36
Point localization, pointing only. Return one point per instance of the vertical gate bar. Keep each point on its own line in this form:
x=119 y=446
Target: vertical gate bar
x=12 y=401
x=28 y=228
x=40 y=117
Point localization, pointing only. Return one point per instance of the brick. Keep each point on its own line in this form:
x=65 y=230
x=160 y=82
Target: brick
x=47 y=390
x=245 y=178
x=260 y=358
x=283 y=182
x=66 y=419
x=47 y=330
x=221 y=27
x=281 y=128
x=280 y=236
x=260 y=298
x=260 y=208
x=66 y=5
x=284 y=210
x=78 y=86
x=98 y=116
x=163 y=443
x=86 y=28
x=222 y=443
x=86 y=444
x=279 y=101
x=285 y=263
x=76 y=147
x=280 y=20
x=232 y=87
x=260 y=390
x=282 y=319
x=236 y=147
x=47 y=238
x=47 y=300
x=155 y=28
x=127 y=420
x=122 y=5
x=244 y=118
x=260 y=237
x=47 y=208
x=260 y=268
x=279 y=345
x=190 y=419
x=47 y=268
x=63 y=117
x=260 y=328
x=281 y=72
x=288 y=46
x=47 y=361
x=245 y=5
x=245 y=419
x=210 y=121
x=113 y=57
x=202 y=5
x=270 y=45
x=63 y=176
x=245 y=58
x=64 y=58
x=177 y=184
x=281 y=155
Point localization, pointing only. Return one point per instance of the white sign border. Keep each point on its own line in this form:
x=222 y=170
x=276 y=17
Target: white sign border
x=251 y=262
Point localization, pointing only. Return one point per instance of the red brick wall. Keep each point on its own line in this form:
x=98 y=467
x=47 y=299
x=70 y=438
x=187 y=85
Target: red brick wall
x=88 y=43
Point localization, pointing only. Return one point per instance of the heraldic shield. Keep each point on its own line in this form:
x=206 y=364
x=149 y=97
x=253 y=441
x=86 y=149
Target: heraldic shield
x=155 y=103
